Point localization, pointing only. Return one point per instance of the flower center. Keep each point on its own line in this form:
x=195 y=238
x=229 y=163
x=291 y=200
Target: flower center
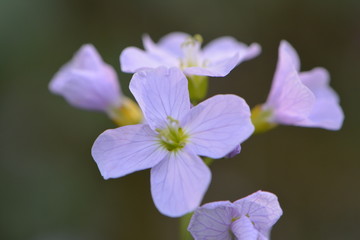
x=173 y=137
x=191 y=51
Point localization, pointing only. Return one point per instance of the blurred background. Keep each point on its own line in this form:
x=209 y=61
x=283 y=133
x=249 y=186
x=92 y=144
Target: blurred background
x=50 y=187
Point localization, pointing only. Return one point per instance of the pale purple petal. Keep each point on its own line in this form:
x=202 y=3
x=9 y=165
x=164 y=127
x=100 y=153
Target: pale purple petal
x=227 y=47
x=172 y=43
x=262 y=208
x=217 y=125
x=244 y=229
x=179 y=182
x=127 y=149
x=222 y=55
x=234 y=152
x=286 y=47
x=133 y=59
x=289 y=98
x=161 y=93
x=87 y=82
x=214 y=69
x=318 y=80
x=326 y=112
x=160 y=54
x=213 y=221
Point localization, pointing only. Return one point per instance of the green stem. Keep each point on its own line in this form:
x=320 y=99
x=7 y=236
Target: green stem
x=184 y=223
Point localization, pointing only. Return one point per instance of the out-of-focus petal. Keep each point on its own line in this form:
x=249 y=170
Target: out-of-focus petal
x=212 y=221
x=262 y=208
x=87 y=82
x=172 y=43
x=217 y=125
x=290 y=99
x=179 y=182
x=219 y=68
x=133 y=59
x=234 y=152
x=286 y=47
x=161 y=93
x=227 y=47
x=127 y=149
x=222 y=55
x=161 y=55
x=318 y=80
x=244 y=229
x=326 y=112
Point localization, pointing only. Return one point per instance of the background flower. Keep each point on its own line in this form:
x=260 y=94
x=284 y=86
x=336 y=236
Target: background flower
x=181 y=50
x=302 y=98
x=88 y=82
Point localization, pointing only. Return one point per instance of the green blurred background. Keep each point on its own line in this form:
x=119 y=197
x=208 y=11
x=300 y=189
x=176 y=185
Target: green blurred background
x=50 y=186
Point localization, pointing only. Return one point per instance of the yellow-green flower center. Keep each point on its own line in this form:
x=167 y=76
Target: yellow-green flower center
x=191 y=49
x=172 y=137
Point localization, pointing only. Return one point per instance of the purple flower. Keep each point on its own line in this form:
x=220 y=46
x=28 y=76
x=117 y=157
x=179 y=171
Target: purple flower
x=250 y=218
x=87 y=82
x=302 y=98
x=183 y=51
x=172 y=138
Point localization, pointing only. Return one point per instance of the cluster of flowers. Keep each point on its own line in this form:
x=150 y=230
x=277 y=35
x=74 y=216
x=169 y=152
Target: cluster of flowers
x=172 y=129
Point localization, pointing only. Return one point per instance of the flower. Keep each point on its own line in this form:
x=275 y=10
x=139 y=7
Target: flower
x=87 y=82
x=183 y=51
x=172 y=138
x=301 y=98
x=250 y=218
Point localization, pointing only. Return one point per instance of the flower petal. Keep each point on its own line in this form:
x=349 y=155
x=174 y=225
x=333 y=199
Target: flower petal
x=286 y=47
x=133 y=59
x=172 y=43
x=289 y=98
x=244 y=229
x=326 y=112
x=87 y=82
x=212 y=221
x=161 y=55
x=217 y=125
x=222 y=55
x=127 y=149
x=226 y=47
x=179 y=182
x=262 y=208
x=214 y=69
x=161 y=93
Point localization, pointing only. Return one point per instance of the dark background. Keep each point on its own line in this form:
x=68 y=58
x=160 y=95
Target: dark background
x=50 y=187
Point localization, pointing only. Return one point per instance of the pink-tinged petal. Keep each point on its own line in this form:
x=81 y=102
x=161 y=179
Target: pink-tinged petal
x=234 y=152
x=133 y=59
x=289 y=98
x=160 y=54
x=214 y=69
x=262 y=208
x=179 y=182
x=213 y=221
x=161 y=93
x=286 y=47
x=87 y=82
x=172 y=43
x=217 y=125
x=318 y=80
x=222 y=55
x=326 y=112
x=243 y=229
x=127 y=149
x=227 y=47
